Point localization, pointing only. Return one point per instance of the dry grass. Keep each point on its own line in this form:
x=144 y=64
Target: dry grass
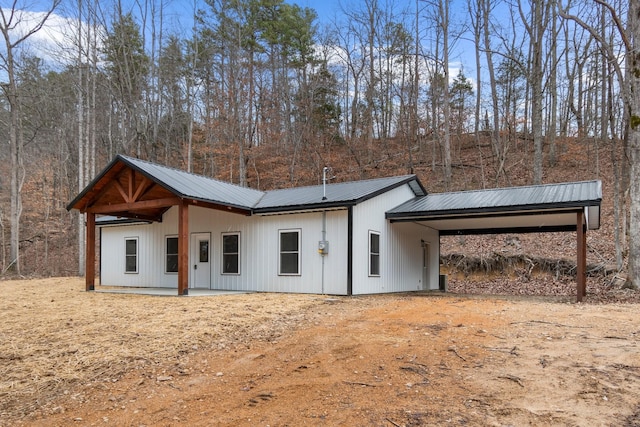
x=54 y=335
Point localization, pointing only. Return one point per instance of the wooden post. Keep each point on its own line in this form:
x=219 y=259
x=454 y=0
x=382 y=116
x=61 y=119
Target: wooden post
x=581 y=279
x=183 y=248
x=90 y=252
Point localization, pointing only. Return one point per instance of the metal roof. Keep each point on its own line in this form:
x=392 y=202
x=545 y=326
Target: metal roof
x=524 y=207
x=532 y=208
x=198 y=187
x=338 y=194
x=201 y=188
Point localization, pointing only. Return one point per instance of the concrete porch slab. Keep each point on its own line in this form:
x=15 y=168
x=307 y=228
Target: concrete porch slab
x=164 y=291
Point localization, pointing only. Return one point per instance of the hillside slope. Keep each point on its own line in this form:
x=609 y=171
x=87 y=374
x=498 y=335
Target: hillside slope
x=49 y=232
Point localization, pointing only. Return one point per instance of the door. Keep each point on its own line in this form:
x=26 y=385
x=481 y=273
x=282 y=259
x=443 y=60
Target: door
x=425 y=266
x=200 y=258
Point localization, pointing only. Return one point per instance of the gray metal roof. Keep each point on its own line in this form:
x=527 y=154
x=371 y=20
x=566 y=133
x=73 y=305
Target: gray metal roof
x=447 y=210
x=197 y=187
x=570 y=194
x=550 y=207
x=338 y=194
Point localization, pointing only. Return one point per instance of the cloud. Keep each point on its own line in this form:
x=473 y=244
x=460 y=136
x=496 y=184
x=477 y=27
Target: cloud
x=55 y=43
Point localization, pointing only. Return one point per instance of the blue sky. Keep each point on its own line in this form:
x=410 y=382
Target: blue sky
x=178 y=18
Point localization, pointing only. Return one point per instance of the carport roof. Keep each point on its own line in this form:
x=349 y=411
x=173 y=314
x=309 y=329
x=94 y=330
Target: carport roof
x=536 y=208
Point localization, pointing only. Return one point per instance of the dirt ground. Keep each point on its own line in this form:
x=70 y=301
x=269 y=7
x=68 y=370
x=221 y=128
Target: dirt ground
x=68 y=357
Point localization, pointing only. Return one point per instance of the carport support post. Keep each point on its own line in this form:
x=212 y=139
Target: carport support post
x=183 y=248
x=90 y=252
x=581 y=278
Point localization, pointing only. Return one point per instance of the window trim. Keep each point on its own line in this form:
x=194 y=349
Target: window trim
x=298 y=231
x=371 y=254
x=137 y=254
x=166 y=254
x=223 y=253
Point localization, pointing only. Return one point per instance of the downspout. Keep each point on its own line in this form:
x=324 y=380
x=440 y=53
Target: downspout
x=100 y=256
x=322 y=249
x=350 y=251
x=324 y=239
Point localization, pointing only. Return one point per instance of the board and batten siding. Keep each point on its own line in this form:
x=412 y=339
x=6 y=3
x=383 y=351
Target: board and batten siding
x=401 y=248
x=259 y=255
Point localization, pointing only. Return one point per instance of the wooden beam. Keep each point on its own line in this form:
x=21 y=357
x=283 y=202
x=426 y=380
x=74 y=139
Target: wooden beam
x=121 y=191
x=183 y=249
x=147 y=204
x=144 y=184
x=220 y=207
x=90 y=253
x=132 y=181
x=136 y=215
x=581 y=278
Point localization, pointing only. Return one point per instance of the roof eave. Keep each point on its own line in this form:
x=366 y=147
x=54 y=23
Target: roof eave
x=529 y=209
x=390 y=187
x=303 y=207
x=508 y=230
x=80 y=196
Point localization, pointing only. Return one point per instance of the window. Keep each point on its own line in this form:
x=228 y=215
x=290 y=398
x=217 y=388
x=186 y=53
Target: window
x=171 y=252
x=203 y=250
x=374 y=253
x=231 y=253
x=131 y=255
x=289 y=252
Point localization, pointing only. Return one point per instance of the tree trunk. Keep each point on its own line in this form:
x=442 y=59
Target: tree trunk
x=10 y=19
x=633 y=76
x=444 y=22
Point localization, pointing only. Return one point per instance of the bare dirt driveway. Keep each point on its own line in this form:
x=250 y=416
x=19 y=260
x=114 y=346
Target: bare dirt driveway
x=74 y=358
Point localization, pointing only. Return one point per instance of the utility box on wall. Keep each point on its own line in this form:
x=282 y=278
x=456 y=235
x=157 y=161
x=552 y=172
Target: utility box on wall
x=323 y=247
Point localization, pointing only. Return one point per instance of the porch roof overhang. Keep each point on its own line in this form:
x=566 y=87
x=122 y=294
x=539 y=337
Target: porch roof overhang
x=530 y=209
x=135 y=189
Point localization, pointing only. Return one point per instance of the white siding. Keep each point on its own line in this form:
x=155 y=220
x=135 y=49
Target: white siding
x=258 y=251
x=401 y=256
x=401 y=263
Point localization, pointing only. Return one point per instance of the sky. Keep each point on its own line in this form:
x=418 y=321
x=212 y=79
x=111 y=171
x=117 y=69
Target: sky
x=178 y=18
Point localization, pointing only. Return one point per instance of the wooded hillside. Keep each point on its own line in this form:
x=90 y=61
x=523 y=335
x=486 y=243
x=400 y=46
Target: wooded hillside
x=263 y=94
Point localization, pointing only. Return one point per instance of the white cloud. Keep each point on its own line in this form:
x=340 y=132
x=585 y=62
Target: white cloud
x=55 y=42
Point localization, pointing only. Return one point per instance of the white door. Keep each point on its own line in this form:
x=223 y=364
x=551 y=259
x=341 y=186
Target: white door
x=200 y=258
x=425 y=266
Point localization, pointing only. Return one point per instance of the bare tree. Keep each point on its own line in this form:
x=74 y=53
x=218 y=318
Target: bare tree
x=629 y=80
x=12 y=27
x=536 y=30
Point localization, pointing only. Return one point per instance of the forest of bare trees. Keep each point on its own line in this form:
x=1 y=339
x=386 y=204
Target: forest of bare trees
x=259 y=93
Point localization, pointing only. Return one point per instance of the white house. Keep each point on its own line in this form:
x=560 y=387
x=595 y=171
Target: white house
x=162 y=227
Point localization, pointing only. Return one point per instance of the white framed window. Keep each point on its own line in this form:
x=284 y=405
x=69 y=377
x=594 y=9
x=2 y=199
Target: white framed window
x=171 y=254
x=231 y=253
x=374 y=253
x=289 y=260
x=131 y=255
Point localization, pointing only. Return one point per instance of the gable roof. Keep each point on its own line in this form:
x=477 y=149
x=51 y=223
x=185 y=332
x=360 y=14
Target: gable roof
x=527 y=208
x=126 y=172
x=197 y=187
x=333 y=195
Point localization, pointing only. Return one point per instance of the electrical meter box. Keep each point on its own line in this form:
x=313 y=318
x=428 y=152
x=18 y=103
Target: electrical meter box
x=323 y=247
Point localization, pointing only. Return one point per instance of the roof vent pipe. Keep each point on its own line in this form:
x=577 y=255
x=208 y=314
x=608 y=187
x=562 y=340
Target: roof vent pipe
x=324 y=181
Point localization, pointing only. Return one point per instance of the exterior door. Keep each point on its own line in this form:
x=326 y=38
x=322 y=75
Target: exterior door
x=425 y=266
x=200 y=258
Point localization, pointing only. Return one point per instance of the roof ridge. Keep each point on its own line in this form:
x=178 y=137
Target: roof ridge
x=518 y=187
x=395 y=177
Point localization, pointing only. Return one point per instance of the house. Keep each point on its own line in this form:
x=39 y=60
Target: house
x=162 y=227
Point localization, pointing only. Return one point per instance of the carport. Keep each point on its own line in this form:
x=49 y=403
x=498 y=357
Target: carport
x=567 y=207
